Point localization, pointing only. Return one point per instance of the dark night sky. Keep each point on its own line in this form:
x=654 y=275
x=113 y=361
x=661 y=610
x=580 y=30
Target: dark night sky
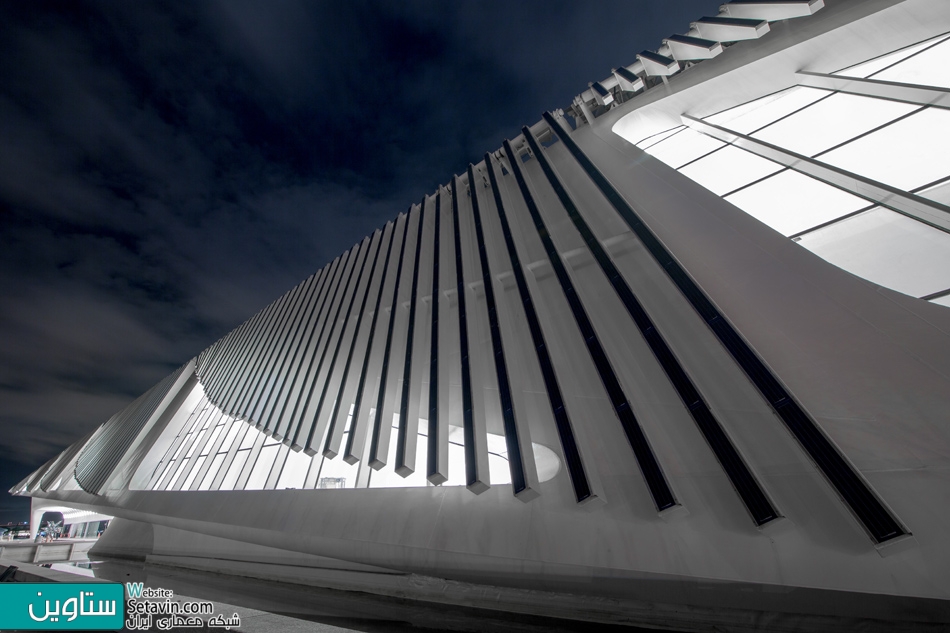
x=167 y=169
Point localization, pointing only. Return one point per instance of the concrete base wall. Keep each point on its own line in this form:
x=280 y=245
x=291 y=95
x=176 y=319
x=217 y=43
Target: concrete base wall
x=177 y=548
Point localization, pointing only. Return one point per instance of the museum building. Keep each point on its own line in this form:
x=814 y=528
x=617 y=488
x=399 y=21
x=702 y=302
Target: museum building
x=678 y=356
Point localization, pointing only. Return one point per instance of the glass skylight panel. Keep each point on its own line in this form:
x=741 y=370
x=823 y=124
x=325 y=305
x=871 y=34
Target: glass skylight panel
x=194 y=472
x=887 y=248
x=868 y=68
x=234 y=471
x=728 y=169
x=938 y=193
x=681 y=148
x=930 y=68
x=791 y=202
x=295 y=470
x=182 y=466
x=499 y=471
x=265 y=461
x=751 y=116
x=656 y=138
x=830 y=122
x=906 y=154
x=212 y=472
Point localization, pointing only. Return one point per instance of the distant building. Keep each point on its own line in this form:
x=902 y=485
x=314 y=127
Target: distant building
x=594 y=371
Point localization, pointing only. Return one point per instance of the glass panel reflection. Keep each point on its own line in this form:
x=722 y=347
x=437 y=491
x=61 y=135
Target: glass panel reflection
x=938 y=193
x=791 y=202
x=830 y=122
x=906 y=154
x=887 y=248
x=875 y=65
x=683 y=147
x=656 y=138
x=930 y=67
x=728 y=169
x=756 y=114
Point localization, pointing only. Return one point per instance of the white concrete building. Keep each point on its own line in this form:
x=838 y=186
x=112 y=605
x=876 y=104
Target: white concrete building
x=592 y=377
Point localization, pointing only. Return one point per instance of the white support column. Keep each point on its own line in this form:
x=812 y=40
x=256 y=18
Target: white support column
x=317 y=414
x=364 y=320
x=524 y=376
x=372 y=378
x=479 y=343
x=418 y=392
x=447 y=340
x=392 y=381
x=293 y=410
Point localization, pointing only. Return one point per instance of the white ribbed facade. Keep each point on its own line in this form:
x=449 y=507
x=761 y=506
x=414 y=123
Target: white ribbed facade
x=594 y=371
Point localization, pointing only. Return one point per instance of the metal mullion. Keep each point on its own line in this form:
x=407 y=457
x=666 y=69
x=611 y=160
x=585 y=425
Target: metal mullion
x=900 y=61
x=372 y=359
x=936 y=295
x=252 y=351
x=921 y=209
x=285 y=419
x=204 y=358
x=842 y=218
x=324 y=375
x=312 y=319
x=916 y=94
x=85 y=465
x=788 y=114
x=279 y=462
x=232 y=375
x=584 y=491
x=55 y=470
x=34 y=478
x=58 y=464
x=265 y=350
x=210 y=369
x=650 y=468
x=216 y=382
x=342 y=404
x=524 y=478
x=184 y=463
x=273 y=371
x=265 y=374
x=174 y=474
x=214 y=449
x=416 y=351
x=243 y=430
x=101 y=459
x=381 y=424
x=120 y=431
x=437 y=458
x=880 y=524
x=213 y=417
x=756 y=181
x=252 y=457
x=169 y=455
x=473 y=407
x=210 y=379
x=743 y=480
x=133 y=425
x=871 y=131
x=337 y=303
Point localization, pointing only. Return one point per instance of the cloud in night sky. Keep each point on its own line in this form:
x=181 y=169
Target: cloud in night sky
x=166 y=170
